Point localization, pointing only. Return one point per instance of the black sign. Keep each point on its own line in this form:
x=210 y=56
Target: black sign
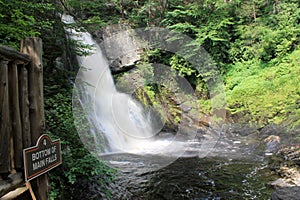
x=45 y=156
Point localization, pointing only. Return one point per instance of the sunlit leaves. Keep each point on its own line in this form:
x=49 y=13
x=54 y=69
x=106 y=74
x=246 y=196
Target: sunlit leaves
x=20 y=19
x=182 y=66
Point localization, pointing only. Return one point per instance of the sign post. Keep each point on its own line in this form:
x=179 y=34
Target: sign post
x=41 y=158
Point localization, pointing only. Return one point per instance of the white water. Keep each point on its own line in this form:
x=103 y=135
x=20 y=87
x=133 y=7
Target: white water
x=117 y=115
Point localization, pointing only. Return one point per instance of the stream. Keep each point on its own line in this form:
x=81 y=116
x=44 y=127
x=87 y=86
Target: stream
x=194 y=178
x=234 y=169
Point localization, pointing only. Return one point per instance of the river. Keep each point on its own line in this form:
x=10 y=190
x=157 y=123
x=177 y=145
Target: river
x=234 y=169
x=193 y=178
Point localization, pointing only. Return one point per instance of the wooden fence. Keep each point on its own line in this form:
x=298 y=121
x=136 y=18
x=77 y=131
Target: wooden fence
x=21 y=109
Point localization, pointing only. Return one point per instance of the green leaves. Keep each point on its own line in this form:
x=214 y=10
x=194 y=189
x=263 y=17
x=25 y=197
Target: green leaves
x=78 y=164
x=182 y=66
x=252 y=43
x=272 y=34
x=20 y=19
x=267 y=93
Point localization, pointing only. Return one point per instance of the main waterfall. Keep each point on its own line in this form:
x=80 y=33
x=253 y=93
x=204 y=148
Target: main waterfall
x=118 y=116
x=111 y=124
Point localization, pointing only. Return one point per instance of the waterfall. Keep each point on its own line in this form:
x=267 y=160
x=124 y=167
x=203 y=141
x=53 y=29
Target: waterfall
x=116 y=115
x=110 y=123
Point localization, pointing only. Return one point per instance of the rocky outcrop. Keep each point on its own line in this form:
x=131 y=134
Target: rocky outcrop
x=286 y=164
x=272 y=143
x=290 y=177
x=120 y=46
x=286 y=193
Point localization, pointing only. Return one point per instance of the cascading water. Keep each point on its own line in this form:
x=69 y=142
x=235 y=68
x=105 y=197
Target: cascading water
x=117 y=122
x=116 y=114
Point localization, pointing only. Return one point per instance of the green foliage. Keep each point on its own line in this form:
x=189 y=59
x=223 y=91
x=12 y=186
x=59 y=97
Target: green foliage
x=272 y=32
x=92 y=14
x=182 y=66
x=78 y=163
x=267 y=94
x=20 y=19
x=146 y=13
x=254 y=44
x=208 y=23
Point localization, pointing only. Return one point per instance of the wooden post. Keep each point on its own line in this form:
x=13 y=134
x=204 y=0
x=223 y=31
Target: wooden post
x=4 y=119
x=15 y=114
x=24 y=106
x=33 y=47
x=28 y=185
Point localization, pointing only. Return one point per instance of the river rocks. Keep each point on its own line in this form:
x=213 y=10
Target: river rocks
x=290 y=177
x=287 y=187
x=291 y=153
x=286 y=193
x=237 y=129
x=286 y=164
x=272 y=143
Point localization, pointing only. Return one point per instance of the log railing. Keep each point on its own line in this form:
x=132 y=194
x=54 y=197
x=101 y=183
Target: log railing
x=21 y=108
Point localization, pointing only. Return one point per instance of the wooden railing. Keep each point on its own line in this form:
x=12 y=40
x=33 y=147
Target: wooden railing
x=22 y=118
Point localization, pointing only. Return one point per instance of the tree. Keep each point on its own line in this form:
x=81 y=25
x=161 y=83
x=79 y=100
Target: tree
x=20 y=19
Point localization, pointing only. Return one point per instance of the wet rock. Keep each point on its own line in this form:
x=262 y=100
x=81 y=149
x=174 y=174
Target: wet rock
x=272 y=129
x=98 y=36
x=166 y=135
x=290 y=153
x=272 y=143
x=284 y=163
x=286 y=193
x=281 y=183
x=185 y=108
x=290 y=177
x=241 y=129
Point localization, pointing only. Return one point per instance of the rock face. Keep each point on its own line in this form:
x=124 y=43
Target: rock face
x=120 y=46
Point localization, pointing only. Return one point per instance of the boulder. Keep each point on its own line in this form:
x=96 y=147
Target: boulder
x=286 y=193
x=120 y=46
x=272 y=143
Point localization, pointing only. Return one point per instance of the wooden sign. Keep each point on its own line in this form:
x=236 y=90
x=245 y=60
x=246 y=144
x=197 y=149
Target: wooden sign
x=41 y=158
